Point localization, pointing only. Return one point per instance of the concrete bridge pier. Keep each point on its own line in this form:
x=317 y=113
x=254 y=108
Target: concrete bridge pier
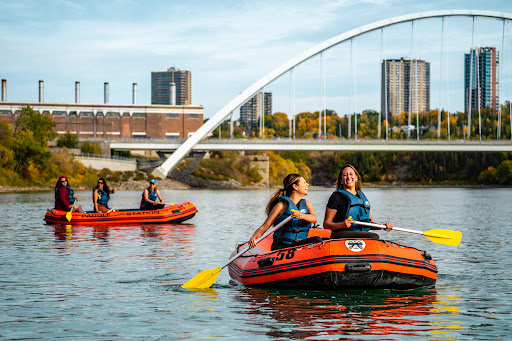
x=262 y=163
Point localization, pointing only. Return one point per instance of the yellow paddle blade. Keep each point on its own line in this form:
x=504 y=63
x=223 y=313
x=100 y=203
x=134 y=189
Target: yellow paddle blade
x=442 y=236
x=202 y=280
x=68 y=216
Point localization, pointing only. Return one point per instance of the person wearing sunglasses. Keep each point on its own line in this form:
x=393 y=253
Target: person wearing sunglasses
x=101 y=196
x=150 y=197
x=65 y=196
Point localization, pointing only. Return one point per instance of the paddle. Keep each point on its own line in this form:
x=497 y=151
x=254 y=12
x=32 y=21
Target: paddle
x=205 y=279
x=440 y=236
x=69 y=215
x=112 y=209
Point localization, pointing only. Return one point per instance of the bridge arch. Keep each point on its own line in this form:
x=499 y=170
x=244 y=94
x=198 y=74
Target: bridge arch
x=163 y=170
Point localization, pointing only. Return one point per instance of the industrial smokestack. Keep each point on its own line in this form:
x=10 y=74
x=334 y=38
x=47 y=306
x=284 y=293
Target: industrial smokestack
x=172 y=99
x=106 y=92
x=77 y=92
x=4 y=90
x=41 y=91
x=134 y=93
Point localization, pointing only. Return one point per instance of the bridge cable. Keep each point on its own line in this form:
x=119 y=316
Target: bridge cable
x=498 y=134
x=441 y=83
x=321 y=94
x=445 y=28
x=409 y=108
x=350 y=97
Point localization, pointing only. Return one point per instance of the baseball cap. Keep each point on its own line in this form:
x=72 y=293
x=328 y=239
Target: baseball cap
x=152 y=181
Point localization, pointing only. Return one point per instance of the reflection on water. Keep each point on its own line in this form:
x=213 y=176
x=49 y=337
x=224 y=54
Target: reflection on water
x=310 y=315
x=67 y=233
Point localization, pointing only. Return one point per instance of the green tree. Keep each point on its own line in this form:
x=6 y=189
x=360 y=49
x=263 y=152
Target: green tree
x=68 y=140
x=504 y=173
x=28 y=151
x=41 y=126
x=31 y=133
x=90 y=148
x=5 y=134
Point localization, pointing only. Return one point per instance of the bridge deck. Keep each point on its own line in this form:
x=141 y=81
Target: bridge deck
x=321 y=145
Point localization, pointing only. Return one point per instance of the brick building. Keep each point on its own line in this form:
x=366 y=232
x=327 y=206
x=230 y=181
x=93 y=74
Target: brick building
x=115 y=121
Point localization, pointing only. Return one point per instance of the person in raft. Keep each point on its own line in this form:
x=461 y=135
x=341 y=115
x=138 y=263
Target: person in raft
x=101 y=196
x=65 y=196
x=285 y=202
x=150 y=197
x=348 y=204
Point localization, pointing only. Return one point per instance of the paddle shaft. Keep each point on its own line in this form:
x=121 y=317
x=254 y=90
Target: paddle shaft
x=265 y=235
x=384 y=226
x=69 y=215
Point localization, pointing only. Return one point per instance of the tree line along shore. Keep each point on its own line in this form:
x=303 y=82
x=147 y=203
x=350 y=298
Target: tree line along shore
x=27 y=164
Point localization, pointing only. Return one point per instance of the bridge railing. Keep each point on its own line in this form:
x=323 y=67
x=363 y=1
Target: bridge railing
x=99 y=156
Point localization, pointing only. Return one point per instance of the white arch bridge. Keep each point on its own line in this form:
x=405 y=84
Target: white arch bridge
x=195 y=141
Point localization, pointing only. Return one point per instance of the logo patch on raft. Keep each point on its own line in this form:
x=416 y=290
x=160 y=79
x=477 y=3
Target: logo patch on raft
x=355 y=245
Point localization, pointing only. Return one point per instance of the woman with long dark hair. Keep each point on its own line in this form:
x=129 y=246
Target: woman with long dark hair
x=101 y=196
x=284 y=202
x=65 y=196
x=348 y=204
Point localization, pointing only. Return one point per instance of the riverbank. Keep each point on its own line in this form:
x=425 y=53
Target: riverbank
x=198 y=183
x=189 y=182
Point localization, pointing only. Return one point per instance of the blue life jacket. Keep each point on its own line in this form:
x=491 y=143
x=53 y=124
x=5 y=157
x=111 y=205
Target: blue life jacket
x=103 y=198
x=71 y=195
x=151 y=196
x=357 y=209
x=295 y=229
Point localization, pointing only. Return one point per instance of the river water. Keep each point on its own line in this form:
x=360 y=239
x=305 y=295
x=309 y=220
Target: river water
x=124 y=282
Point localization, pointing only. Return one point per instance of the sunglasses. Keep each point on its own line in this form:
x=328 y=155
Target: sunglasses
x=100 y=182
x=63 y=181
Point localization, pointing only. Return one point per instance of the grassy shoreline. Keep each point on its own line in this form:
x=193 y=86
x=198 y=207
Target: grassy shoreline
x=175 y=185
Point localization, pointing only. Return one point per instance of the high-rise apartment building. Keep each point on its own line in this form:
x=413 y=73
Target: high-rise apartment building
x=161 y=86
x=250 y=112
x=481 y=79
x=405 y=86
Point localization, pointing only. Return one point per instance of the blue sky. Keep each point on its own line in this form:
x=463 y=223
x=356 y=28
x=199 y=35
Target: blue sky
x=228 y=45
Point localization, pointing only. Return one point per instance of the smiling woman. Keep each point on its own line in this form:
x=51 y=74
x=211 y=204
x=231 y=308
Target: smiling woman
x=347 y=204
x=286 y=202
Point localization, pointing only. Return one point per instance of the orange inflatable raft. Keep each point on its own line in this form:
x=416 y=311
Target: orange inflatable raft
x=335 y=264
x=173 y=214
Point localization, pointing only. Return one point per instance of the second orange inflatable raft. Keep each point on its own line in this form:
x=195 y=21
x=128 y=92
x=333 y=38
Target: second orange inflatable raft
x=172 y=214
x=335 y=264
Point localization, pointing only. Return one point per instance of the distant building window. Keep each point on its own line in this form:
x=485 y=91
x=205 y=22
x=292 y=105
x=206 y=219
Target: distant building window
x=59 y=113
x=5 y=112
x=139 y=135
x=172 y=135
x=72 y=113
x=173 y=115
x=99 y=114
x=46 y=112
x=193 y=116
x=139 y=114
x=113 y=114
x=126 y=114
x=85 y=113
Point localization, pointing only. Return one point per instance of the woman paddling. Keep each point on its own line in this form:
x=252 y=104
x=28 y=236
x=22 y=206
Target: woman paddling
x=285 y=202
x=348 y=204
